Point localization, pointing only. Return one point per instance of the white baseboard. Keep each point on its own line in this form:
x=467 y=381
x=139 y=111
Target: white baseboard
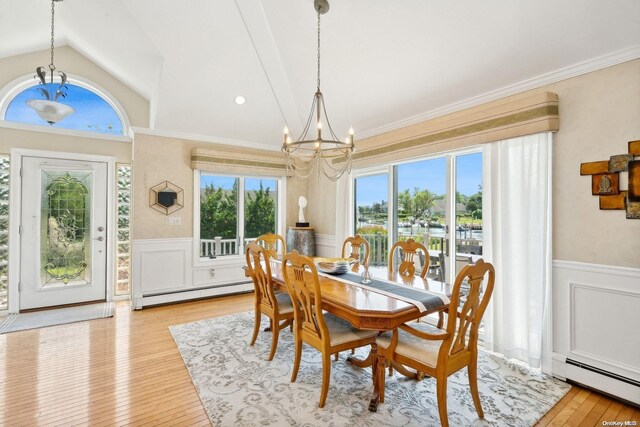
x=195 y=294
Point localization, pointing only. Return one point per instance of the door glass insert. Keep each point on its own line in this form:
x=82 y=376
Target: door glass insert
x=468 y=215
x=65 y=228
x=371 y=222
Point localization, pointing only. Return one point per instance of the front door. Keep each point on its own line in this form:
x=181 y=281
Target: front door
x=63 y=232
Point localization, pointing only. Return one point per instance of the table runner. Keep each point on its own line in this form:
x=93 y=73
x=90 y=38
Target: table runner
x=424 y=300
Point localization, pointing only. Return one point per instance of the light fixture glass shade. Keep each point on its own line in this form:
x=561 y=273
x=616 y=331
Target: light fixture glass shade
x=50 y=111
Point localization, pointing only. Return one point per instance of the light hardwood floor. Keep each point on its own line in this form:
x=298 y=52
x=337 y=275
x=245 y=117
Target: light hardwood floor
x=127 y=370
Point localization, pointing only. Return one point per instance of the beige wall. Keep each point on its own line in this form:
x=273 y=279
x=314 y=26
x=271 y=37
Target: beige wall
x=27 y=139
x=157 y=159
x=71 y=62
x=599 y=114
x=321 y=209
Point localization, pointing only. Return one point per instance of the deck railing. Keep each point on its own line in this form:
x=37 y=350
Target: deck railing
x=211 y=248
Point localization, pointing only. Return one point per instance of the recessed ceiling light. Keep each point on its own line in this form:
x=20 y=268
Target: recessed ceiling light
x=240 y=100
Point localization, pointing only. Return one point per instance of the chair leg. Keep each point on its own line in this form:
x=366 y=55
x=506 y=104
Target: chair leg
x=326 y=377
x=440 y=319
x=472 y=370
x=256 y=326
x=296 y=358
x=441 y=385
x=336 y=356
x=274 y=340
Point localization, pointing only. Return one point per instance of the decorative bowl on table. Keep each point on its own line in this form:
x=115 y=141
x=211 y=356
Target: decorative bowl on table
x=333 y=265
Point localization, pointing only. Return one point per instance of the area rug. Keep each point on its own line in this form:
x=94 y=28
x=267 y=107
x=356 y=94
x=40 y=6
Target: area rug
x=239 y=387
x=57 y=316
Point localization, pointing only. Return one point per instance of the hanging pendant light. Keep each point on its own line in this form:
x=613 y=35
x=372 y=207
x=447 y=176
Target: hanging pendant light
x=49 y=109
x=319 y=152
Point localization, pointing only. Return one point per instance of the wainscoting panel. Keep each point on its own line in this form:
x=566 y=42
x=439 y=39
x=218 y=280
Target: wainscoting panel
x=596 y=326
x=160 y=266
x=326 y=246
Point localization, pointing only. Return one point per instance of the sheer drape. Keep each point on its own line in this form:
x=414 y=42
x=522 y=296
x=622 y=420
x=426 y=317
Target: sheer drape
x=517 y=219
x=343 y=210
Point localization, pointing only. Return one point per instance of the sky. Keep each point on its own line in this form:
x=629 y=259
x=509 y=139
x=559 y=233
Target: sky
x=92 y=112
x=429 y=174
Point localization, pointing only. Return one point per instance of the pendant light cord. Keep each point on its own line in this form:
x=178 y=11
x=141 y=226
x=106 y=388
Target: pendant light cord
x=53 y=12
x=318 y=51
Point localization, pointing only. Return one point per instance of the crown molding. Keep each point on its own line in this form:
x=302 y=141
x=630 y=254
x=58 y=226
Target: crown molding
x=202 y=138
x=61 y=131
x=571 y=71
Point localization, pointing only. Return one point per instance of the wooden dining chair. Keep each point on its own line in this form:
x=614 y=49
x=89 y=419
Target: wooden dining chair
x=276 y=306
x=270 y=242
x=325 y=332
x=437 y=352
x=409 y=249
x=356 y=242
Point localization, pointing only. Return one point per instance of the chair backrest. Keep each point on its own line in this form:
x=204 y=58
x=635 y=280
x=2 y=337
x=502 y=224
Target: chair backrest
x=409 y=249
x=301 y=277
x=357 y=242
x=260 y=271
x=270 y=242
x=470 y=314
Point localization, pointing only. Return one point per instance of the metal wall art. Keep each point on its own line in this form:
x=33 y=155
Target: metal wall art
x=605 y=181
x=166 y=197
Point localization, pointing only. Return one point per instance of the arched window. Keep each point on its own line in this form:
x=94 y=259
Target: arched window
x=95 y=110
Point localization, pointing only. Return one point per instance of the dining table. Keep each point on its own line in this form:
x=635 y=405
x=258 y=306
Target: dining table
x=386 y=303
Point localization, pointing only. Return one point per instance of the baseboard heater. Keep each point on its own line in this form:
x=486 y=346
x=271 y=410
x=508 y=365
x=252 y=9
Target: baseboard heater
x=630 y=381
x=609 y=383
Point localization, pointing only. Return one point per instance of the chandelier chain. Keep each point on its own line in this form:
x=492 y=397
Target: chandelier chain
x=318 y=51
x=53 y=12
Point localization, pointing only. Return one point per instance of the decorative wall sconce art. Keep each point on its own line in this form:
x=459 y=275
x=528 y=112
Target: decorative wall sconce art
x=605 y=181
x=166 y=197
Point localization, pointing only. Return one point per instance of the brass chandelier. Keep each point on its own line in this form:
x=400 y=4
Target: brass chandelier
x=49 y=109
x=331 y=157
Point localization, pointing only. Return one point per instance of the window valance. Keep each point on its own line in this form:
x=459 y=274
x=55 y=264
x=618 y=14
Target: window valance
x=239 y=161
x=511 y=117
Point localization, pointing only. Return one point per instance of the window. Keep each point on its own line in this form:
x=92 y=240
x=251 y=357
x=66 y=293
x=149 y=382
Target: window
x=92 y=112
x=430 y=198
x=4 y=230
x=123 y=251
x=234 y=211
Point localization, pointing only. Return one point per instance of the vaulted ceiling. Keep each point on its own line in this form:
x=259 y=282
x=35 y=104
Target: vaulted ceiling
x=384 y=63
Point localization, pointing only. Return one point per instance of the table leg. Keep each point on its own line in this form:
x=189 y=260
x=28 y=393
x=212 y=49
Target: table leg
x=375 y=396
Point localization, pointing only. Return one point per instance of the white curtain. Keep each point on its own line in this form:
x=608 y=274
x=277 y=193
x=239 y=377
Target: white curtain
x=517 y=217
x=343 y=211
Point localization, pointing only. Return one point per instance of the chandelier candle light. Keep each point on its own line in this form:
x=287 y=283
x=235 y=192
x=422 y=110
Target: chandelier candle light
x=49 y=109
x=320 y=152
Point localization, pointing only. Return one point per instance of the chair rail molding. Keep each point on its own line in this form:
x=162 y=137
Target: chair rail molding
x=596 y=338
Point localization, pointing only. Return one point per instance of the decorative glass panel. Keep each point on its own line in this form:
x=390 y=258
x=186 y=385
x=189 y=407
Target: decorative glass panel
x=4 y=230
x=124 y=209
x=65 y=228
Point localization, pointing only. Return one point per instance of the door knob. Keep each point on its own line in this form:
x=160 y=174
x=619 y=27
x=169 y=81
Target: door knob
x=99 y=239
x=101 y=228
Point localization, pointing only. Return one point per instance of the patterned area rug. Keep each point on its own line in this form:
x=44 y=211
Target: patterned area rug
x=57 y=316
x=239 y=387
